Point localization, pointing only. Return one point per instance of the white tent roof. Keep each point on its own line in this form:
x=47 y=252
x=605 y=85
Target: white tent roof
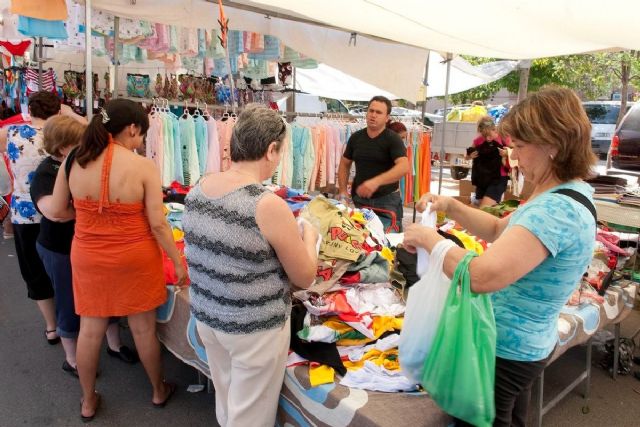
x=512 y=29
x=515 y=29
x=330 y=82
x=387 y=66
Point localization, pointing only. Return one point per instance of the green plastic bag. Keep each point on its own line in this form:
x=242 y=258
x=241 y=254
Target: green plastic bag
x=459 y=372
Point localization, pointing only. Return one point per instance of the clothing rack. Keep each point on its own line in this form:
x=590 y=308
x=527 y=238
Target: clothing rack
x=186 y=104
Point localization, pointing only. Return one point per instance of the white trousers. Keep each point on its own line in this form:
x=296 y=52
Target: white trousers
x=247 y=372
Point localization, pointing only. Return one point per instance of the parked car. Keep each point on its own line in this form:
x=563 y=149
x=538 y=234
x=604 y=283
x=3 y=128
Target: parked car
x=624 y=151
x=603 y=116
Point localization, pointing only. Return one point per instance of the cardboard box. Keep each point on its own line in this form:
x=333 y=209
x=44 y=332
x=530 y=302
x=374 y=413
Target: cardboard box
x=466 y=188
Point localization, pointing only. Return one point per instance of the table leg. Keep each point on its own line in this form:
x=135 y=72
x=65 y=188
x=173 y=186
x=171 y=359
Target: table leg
x=587 y=384
x=616 y=350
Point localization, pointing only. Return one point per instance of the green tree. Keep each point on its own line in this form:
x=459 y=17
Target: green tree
x=591 y=75
x=542 y=73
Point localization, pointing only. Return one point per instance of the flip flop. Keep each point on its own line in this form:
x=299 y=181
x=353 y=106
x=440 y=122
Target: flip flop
x=86 y=419
x=172 y=390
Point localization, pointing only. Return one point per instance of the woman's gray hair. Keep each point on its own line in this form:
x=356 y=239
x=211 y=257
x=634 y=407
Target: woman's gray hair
x=256 y=128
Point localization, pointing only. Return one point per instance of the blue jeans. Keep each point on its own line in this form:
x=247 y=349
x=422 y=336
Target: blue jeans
x=391 y=202
x=58 y=268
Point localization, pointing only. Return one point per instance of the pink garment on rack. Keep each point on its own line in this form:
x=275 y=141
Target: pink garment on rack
x=189 y=42
x=225 y=128
x=246 y=41
x=171 y=60
x=315 y=140
x=333 y=139
x=321 y=157
x=339 y=150
x=285 y=175
x=257 y=43
x=152 y=42
x=155 y=141
x=213 y=156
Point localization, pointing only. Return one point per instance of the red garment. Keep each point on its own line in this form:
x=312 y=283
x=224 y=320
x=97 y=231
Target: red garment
x=18 y=119
x=350 y=278
x=16 y=49
x=167 y=265
x=179 y=188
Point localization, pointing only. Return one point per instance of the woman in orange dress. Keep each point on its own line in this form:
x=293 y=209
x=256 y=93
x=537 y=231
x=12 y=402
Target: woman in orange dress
x=115 y=255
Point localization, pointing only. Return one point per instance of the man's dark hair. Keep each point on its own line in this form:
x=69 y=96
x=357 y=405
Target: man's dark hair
x=383 y=99
x=44 y=104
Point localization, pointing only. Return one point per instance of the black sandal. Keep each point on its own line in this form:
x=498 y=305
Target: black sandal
x=172 y=390
x=51 y=341
x=89 y=418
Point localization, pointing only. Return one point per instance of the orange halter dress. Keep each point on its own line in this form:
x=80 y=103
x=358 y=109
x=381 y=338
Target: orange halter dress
x=116 y=262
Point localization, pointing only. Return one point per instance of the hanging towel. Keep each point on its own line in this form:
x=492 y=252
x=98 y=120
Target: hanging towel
x=35 y=27
x=50 y=10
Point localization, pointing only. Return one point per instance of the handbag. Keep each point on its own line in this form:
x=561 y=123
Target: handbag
x=4 y=209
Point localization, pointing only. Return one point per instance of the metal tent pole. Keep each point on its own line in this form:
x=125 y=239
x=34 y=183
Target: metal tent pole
x=40 y=42
x=116 y=59
x=88 y=76
x=444 y=121
x=425 y=82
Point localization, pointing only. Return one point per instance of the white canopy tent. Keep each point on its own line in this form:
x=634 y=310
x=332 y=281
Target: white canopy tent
x=330 y=82
x=514 y=29
x=519 y=29
x=389 y=66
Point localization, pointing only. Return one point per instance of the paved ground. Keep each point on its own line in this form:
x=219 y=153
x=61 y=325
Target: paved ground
x=36 y=392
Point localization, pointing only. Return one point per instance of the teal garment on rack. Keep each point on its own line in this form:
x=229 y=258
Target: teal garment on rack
x=34 y=27
x=202 y=142
x=177 y=149
x=190 y=166
x=202 y=44
x=168 y=161
x=271 y=50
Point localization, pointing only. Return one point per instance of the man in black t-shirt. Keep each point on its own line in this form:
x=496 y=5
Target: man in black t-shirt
x=381 y=161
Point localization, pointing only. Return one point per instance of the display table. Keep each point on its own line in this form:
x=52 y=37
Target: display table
x=336 y=405
x=585 y=320
x=617 y=214
x=301 y=404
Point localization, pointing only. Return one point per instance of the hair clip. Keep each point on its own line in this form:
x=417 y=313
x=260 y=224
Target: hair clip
x=105 y=116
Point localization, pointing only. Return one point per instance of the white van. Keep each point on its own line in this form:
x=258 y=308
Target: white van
x=603 y=116
x=306 y=103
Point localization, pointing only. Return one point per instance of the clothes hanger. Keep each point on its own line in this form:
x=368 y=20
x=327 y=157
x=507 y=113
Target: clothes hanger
x=206 y=113
x=185 y=114
x=196 y=113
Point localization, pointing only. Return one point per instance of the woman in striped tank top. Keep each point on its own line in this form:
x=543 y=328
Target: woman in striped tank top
x=243 y=249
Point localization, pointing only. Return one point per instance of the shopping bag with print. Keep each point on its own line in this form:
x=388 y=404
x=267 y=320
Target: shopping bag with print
x=424 y=306
x=460 y=369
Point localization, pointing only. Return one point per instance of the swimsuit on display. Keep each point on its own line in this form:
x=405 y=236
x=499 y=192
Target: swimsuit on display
x=15 y=49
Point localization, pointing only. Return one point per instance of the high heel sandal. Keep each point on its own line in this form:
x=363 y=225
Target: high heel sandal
x=51 y=341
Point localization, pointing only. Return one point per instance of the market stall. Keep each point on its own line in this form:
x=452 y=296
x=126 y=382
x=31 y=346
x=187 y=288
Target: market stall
x=332 y=403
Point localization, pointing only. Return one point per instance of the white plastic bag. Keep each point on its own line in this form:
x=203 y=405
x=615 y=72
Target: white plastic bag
x=428 y=220
x=424 y=306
